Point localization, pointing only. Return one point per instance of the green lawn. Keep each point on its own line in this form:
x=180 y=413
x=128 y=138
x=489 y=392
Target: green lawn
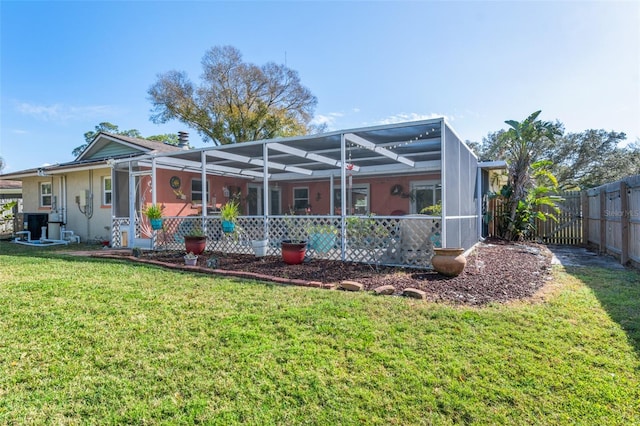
x=106 y=342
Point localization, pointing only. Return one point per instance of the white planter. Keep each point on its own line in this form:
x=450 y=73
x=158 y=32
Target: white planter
x=191 y=261
x=260 y=247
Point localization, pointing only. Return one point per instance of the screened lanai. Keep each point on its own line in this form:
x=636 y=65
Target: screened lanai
x=388 y=194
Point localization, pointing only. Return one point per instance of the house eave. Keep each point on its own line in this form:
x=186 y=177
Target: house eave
x=493 y=165
x=55 y=170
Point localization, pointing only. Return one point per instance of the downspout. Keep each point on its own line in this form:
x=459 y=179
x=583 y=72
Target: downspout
x=63 y=215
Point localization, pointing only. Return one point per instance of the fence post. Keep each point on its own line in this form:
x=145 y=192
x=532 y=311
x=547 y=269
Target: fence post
x=602 y=198
x=584 y=200
x=624 y=228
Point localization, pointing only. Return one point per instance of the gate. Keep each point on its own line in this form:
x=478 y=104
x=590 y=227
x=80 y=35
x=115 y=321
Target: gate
x=568 y=229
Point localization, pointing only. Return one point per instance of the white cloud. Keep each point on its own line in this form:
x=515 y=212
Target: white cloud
x=62 y=112
x=19 y=132
x=411 y=116
x=326 y=119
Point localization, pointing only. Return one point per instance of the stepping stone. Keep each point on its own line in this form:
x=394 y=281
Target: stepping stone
x=414 y=293
x=385 y=289
x=351 y=286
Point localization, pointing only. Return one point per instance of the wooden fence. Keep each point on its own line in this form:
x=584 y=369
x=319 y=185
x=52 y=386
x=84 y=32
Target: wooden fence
x=567 y=230
x=606 y=218
x=612 y=219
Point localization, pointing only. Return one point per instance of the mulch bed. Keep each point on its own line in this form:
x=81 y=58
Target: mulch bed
x=496 y=271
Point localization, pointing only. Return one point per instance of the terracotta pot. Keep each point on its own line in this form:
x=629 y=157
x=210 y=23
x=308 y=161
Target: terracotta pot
x=449 y=261
x=195 y=245
x=293 y=251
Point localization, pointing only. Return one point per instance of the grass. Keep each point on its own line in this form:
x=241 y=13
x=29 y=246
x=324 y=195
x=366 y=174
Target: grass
x=106 y=342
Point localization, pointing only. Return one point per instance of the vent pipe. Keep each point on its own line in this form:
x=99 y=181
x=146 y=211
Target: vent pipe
x=183 y=140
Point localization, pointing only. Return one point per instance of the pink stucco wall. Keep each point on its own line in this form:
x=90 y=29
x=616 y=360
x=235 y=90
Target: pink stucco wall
x=382 y=202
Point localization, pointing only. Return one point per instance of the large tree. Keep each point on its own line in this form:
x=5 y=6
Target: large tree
x=169 y=138
x=579 y=160
x=594 y=157
x=104 y=127
x=235 y=101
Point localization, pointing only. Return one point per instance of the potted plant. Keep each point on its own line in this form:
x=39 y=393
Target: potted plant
x=293 y=251
x=190 y=259
x=195 y=241
x=154 y=214
x=229 y=213
x=322 y=238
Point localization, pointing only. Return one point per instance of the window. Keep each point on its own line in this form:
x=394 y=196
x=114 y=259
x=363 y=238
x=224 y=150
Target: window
x=255 y=200
x=107 y=193
x=426 y=198
x=360 y=200
x=196 y=191
x=300 y=198
x=45 y=194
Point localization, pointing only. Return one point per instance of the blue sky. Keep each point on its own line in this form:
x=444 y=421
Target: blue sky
x=67 y=66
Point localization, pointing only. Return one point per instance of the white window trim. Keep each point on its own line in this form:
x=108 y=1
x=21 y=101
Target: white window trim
x=293 y=195
x=259 y=200
x=49 y=194
x=366 y=186
x=200 y=192
x=415 y=183
x=105 y=191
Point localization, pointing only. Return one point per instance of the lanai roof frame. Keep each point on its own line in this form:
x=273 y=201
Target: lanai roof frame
x=403 y=148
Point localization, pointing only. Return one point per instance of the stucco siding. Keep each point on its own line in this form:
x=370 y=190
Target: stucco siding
x=87 y=221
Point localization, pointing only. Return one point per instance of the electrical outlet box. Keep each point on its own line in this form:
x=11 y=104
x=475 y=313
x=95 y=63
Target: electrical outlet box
x=81 y=199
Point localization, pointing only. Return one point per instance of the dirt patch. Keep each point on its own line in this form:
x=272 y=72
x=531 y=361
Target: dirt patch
x=496 y=271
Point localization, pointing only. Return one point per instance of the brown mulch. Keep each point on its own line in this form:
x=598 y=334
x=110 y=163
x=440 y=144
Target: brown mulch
x=496 y=271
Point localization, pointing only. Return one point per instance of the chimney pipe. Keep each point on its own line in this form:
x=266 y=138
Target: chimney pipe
x=183 y=140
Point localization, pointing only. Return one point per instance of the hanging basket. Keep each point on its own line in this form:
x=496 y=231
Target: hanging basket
x=228 y=226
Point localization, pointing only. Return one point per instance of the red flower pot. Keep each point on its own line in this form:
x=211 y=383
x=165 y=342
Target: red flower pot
x=293 y=251
x=195 y=245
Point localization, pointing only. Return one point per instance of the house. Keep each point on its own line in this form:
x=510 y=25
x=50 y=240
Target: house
x=389 y=194
x=76 y=197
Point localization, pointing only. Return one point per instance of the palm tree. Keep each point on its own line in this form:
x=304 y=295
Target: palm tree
x=525 y=143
